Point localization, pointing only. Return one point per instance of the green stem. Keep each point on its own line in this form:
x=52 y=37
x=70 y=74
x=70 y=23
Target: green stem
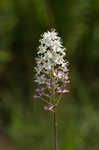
x=44 y=100
x=55 y=129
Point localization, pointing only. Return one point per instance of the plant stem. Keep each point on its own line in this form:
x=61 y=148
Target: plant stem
x=55 y=130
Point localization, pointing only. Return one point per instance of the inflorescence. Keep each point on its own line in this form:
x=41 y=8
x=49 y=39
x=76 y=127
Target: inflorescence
x=51 y=70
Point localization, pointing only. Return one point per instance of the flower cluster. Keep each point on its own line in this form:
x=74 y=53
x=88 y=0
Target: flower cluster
x=51 y=69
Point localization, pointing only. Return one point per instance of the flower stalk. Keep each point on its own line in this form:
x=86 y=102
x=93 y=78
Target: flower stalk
x=55 y=129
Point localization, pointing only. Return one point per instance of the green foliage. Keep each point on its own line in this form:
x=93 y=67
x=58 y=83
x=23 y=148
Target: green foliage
x=22 y=117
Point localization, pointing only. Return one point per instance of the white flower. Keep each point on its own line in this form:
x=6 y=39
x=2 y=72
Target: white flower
x=49 y=107
x=62 y=90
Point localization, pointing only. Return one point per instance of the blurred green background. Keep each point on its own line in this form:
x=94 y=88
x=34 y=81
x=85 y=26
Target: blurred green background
x=24 y=125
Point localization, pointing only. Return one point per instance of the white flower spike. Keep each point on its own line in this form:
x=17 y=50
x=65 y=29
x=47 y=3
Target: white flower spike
x=51 y=68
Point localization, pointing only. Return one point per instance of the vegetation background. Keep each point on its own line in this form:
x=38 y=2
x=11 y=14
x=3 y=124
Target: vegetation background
x=24 y=125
